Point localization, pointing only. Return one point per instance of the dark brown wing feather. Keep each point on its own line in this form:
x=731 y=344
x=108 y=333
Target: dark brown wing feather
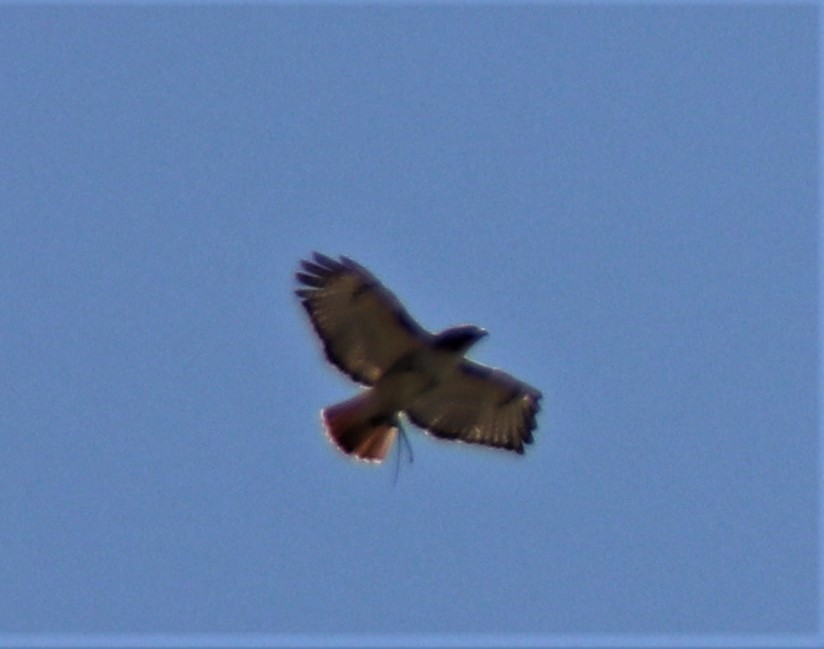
x=479 y=405
x=362 y=325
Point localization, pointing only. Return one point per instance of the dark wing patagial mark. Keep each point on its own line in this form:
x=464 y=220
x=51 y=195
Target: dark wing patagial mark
x=362 y=325
x=479 y=405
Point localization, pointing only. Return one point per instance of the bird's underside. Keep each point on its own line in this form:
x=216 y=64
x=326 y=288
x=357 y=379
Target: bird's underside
x=368 y=335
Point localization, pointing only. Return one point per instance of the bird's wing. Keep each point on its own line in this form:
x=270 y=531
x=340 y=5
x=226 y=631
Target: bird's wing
x=362 y=325
x=479 y=405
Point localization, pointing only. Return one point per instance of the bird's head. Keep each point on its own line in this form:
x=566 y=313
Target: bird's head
x=459 y=339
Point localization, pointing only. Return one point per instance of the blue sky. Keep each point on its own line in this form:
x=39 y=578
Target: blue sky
x=624 y=196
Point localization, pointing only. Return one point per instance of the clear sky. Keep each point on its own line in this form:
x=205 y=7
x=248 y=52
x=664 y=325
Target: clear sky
x=625 y=197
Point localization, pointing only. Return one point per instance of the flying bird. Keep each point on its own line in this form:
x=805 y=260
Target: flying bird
x=367 y=334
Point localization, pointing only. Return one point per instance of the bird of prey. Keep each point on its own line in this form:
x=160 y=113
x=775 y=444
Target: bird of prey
x=367 y=334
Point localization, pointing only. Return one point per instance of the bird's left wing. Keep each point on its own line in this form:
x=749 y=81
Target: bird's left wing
x=479 y=405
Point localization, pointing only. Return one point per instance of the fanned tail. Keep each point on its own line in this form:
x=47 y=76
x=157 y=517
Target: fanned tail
x=355 y=431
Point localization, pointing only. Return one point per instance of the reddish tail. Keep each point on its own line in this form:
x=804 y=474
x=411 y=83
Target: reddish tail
x=353 y=429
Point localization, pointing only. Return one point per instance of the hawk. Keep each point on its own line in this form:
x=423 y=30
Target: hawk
x=367 y=334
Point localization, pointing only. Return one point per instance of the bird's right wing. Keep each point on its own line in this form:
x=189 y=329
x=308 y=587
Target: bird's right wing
x=362 y=325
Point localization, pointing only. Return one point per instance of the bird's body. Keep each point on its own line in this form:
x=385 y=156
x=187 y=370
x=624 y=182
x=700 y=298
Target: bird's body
x=368 y=334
